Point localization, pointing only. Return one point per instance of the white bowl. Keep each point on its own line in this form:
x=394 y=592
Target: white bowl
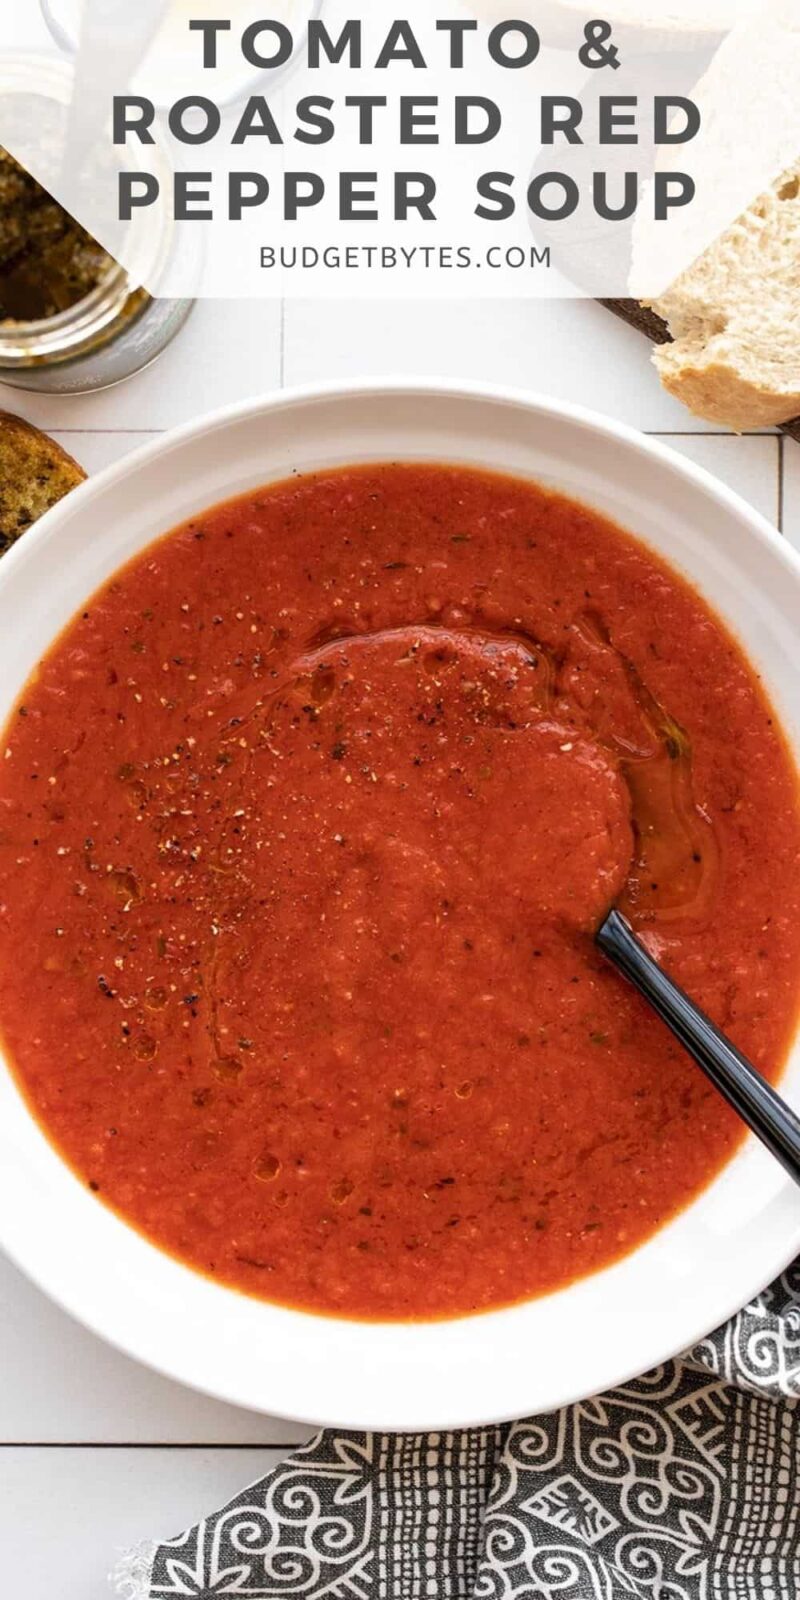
x=743 y=1229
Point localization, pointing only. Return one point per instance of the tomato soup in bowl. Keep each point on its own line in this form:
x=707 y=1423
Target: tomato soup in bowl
x=308 y=819
x=309 y=815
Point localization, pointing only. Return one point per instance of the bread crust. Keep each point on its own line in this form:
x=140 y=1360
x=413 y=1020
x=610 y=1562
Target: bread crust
x=717 y=392
x=35 y=472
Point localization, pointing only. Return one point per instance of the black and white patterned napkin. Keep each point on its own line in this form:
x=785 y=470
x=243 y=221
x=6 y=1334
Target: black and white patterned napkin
x=683 y=1485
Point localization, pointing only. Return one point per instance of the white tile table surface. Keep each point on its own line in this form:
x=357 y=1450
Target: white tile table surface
x=95 y=1451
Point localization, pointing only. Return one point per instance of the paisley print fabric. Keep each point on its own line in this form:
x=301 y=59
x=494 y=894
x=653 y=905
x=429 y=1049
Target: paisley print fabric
x=683 y=1485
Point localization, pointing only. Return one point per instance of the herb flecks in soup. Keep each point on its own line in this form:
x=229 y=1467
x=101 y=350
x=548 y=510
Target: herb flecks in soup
x=305 y=828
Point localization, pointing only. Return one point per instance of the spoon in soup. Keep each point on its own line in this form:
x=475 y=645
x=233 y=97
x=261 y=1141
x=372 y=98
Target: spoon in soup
x=744 y=1088
x=673 y=875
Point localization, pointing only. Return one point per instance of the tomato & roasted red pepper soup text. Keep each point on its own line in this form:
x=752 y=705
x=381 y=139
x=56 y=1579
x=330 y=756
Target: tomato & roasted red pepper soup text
x=307 y=821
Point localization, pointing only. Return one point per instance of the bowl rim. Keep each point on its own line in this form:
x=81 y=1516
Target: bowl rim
x=385 y=1416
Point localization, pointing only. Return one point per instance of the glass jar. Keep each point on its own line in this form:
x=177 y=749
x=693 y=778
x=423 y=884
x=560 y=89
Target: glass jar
x=118 y=327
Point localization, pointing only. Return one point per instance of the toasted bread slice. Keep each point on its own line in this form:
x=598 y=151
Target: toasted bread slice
x=734 y=317
x=34 y=473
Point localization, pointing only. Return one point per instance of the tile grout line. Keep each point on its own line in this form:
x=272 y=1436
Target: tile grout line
x=54 y=428
x=143 y=1444
x=706 y=433
x=649 y=433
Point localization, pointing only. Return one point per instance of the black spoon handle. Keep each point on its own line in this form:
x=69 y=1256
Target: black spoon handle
x=756 y=1101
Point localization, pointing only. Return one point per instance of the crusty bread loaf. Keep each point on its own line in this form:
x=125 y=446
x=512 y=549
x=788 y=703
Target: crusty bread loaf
x=734 y=317
x=34 y=473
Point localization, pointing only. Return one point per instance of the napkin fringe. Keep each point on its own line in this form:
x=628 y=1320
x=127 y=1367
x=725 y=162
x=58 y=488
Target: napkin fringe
x=131 y=1576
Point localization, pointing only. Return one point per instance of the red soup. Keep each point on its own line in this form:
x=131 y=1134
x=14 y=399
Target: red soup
x=306 y=824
